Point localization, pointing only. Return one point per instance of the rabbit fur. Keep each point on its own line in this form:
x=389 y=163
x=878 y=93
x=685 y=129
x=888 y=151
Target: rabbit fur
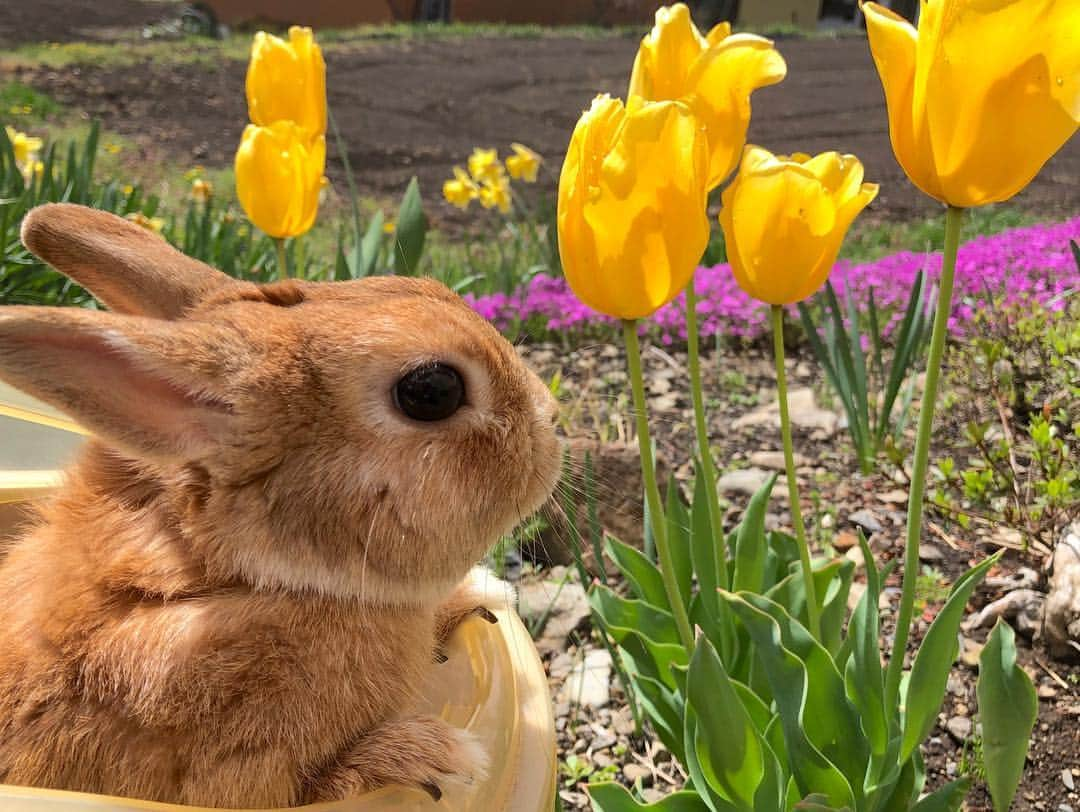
x=235 y=595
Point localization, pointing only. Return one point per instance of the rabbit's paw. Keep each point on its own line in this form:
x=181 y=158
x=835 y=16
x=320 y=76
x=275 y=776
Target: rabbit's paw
x=480 y=594
x=423 y=752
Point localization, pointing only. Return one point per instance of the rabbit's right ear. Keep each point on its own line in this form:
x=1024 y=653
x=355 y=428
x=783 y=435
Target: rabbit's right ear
x=127 y=267
x=156 y=388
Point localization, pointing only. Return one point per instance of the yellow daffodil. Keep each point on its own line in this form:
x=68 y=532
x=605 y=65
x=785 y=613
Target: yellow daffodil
x=484 y=163
x=286 y=81
x=202 y=190
x=154 y=224
x=784 y=219
x=982 y=95
x=495 y=193
x=713 y=74
x=460 y=191
x=113 y=149
x=279 y=174
x=389 y=227
x=631 y=215
x=523 y=164
x=24 y=146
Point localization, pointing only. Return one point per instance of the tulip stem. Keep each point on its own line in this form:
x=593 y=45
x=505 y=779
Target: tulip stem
x=708 y=469
x=953 y=220
x=813 y=609
x=282 y=259
x=652 y=492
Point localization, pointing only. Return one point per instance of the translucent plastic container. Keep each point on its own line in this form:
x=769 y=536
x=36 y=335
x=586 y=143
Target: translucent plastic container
x=493 y=684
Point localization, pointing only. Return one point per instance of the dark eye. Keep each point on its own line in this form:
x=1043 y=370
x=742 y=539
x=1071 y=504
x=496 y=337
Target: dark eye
x=432 y=392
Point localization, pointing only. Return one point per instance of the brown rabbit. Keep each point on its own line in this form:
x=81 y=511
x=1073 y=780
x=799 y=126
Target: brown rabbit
x=234 y=597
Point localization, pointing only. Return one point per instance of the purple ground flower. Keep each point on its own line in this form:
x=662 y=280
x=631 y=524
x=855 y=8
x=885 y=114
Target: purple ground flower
x=1031 y=264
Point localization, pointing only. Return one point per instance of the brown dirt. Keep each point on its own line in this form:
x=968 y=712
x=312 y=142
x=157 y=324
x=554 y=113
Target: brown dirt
x=419 y=107
x=71 y=20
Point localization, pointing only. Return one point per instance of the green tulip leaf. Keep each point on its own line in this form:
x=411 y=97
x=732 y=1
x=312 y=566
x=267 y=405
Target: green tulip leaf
x=728 y=745
x=612 y=797
x=678 y=531
x=1008 y=707
x=750 y=542
x=864 y=678
x=644 y=578
x=802 y=677
x=930 y=671
x=948 y=798
x=410 y=231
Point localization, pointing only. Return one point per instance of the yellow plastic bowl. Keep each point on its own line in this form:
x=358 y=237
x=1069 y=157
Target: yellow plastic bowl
x=492 y=685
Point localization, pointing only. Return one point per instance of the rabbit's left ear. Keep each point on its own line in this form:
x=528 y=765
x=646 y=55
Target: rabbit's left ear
x=155 y=388
x=127 y=267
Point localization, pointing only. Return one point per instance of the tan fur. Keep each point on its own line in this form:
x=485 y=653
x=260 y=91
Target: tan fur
x=234 y=597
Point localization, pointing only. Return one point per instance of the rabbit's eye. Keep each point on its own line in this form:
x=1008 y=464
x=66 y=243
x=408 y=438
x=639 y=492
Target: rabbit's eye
x=432 y=392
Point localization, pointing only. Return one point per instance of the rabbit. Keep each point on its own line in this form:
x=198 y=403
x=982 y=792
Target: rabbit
x=235 y=595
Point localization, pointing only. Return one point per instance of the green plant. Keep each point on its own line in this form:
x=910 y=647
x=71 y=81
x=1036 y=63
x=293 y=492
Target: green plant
x=771 y=697
x=876 y=409
x=1017 y=402
x=63 y=175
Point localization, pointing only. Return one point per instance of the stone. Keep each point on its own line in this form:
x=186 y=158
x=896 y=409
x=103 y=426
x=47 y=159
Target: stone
x=1023 y=608
x=1067 y=779
x=867 y=521
x=744 y=481
x=589 y=683
x=894 y=497
x=845 y=540
x=635 y=772
x=569 y=609
x=930 y=554
x=1061 y=616
x=774 y=460
x=959 y=728
x=805 y=414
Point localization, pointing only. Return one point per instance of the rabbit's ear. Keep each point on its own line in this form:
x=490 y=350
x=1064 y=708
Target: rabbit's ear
x=127 y=267
x=152 y=387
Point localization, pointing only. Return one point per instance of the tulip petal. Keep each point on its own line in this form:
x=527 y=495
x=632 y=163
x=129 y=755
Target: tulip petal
x=720 y=84
x=666 y=55
x=893 y=44
x=278 y=177
x=286 y=81
x=1004 y=94
x=784 y=221
x=632 y=222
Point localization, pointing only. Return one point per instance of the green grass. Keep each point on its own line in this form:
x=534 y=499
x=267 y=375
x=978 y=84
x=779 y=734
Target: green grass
x=866 y=243
x=21 y=105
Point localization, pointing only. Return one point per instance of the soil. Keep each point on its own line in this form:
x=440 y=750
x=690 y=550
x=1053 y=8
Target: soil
x=419 y=107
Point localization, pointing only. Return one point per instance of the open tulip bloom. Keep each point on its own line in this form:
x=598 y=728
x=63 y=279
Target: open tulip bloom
x=713 y=74
x=981 y=95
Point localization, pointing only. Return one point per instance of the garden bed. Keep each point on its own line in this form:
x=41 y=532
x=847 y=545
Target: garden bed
x=418 y=106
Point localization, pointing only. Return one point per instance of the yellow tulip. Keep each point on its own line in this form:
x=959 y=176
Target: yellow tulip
x=784 y=219
x=631 y=214
x=286 y=81
x=460 y=191
x=278 y=177
x=982 y=95
x=713 y=74
x=523 y=164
